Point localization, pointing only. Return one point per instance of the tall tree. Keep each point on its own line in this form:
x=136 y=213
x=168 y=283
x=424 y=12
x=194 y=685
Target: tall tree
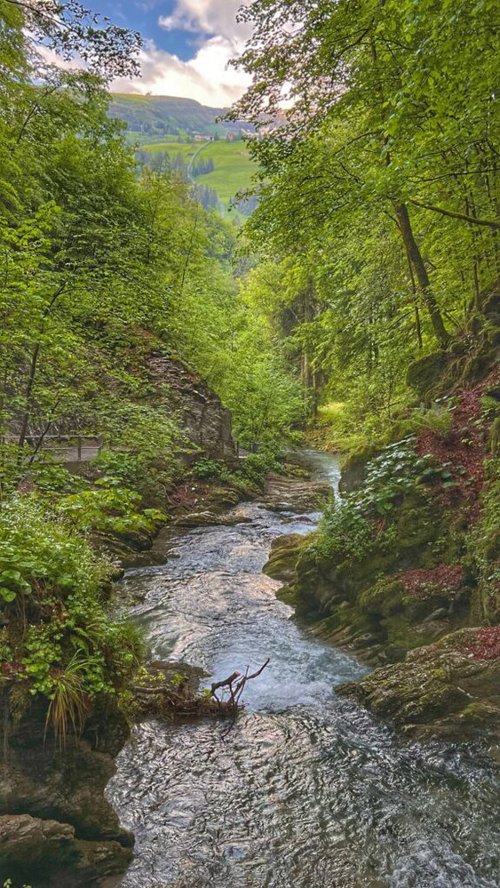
x=373 y=64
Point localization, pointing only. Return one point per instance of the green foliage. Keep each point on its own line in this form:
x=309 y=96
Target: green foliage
x=50 y=477
x=256 y=466
x=42 y=552
x=104 y=267
x=109 y=507
x=362 y=520
x=69 y=651
x=84 y=301
x=484 y=548
x=344 y=532
x=397 y=471
x=378 y=193
x=207 y=469
x=437 y=419
x=8 y=883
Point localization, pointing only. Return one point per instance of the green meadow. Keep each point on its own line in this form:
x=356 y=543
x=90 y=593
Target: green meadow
x=233 y=167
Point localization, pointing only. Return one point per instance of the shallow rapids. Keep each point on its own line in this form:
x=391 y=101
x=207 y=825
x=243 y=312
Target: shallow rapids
x=306 y=790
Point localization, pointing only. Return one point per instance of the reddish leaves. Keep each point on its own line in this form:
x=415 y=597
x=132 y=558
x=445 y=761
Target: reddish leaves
x=462 y=450
x=485 y=645
x=421 y=582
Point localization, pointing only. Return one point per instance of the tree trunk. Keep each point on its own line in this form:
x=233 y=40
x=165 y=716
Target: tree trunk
x=28 y=396
x=307 y=316
x=424 y=283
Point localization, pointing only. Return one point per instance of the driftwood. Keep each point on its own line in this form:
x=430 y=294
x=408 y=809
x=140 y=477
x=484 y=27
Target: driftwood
x=235 y=687
x=160 y=695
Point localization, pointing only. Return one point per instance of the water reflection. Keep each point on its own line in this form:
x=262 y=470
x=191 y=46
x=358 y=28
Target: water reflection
x=307 y=790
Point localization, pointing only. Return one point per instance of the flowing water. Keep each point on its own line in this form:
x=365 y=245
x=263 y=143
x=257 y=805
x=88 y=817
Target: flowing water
x=306 y=790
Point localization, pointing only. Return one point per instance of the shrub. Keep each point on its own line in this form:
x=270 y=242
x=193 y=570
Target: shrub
x=256 y=466
x=108 y=507
x=351 y=528
x=60 y=642
x=437 y=419
x=142 y=448
x=344 y=532
x=207 y=469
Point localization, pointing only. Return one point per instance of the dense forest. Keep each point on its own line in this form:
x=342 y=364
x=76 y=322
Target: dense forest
x=356 y=310
x=102 y=264
x=388 y=163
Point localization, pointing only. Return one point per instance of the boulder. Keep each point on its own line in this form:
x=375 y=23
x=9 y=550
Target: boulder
x=449 y=689
x=52 y=797
x=48 y=854
x=288 y=495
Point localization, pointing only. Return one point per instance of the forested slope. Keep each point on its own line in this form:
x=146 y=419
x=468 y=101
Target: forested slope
x=151 y=117
x=379 y=194
x=123 y=308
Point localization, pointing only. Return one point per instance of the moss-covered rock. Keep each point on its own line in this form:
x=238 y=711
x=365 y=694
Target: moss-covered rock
x=447 y=689
x=467 y=359
x=484 y=550
x=282 y=561
x=494 y=438
x=361 y=595
x=219 y=498
x=287 y=495
x=354 y=468
x=411 y=558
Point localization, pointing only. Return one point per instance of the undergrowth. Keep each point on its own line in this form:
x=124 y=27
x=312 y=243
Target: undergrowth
x=58 y=640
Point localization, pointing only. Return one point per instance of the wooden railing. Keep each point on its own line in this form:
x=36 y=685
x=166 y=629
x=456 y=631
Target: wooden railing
x=68 y=442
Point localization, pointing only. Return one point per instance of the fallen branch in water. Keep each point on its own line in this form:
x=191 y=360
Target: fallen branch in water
x=167 y=690
x=235 y=690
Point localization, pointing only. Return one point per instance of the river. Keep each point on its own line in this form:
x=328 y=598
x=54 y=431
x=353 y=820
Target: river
x=307 y=790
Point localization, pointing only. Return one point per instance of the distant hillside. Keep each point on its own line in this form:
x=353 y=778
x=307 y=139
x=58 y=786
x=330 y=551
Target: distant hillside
x=152 y=117
x=219 y=169
x=186 y=135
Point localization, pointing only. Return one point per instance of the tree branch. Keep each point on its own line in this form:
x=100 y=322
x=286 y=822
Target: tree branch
x=488 y=223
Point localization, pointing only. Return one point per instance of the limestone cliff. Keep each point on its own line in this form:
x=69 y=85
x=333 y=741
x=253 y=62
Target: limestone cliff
x=206 y=422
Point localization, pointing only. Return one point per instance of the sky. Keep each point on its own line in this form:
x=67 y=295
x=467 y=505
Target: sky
x=187 y=47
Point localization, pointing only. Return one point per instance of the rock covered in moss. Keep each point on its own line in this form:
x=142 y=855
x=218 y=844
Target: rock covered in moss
x=376 y=588
x=423 y=374
x=282 y=561
x=448 y=689
x=207 y=518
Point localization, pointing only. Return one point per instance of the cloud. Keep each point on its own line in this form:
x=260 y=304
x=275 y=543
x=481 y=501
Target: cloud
x=207 y=17
x=207 y=76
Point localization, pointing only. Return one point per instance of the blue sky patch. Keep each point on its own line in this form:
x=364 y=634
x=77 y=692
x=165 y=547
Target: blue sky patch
x=143 y=16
